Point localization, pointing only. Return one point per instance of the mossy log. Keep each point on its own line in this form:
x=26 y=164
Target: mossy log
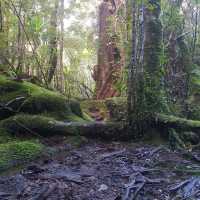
x=181 y=132
x=24 y=97
x=177 y=123
x=36 y=125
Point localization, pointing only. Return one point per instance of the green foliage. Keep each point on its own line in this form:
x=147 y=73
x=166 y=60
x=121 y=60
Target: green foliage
x=26 y=36
x=171 y=17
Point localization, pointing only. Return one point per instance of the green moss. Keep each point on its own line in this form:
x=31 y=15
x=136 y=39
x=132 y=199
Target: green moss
x=53 y=104
x=76 y=118
x=76 y=108
x=38 y=125
x=87 y=117
x=28 y=125
x=38 y=100
x=13 y=153
x=112 y=109
x=76 y=141
x=117 y=108
x=4 y=136
x=99 y=106
x=177 y=121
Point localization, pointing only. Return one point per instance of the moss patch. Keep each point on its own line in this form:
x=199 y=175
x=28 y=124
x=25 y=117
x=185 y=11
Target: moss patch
x=4 y=137
x=117 y=108
x=90 y=107
x=112 y=109
x=30 y=111
x=180 y=122
x=24 y=125
x=13 y=153
x=76 y=141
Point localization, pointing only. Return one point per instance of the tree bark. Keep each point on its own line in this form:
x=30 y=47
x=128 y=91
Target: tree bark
x=107 y=71
x=53 y=43
x=20 y=42
x=1 y=18
x=152 y=52
x=132 y=91
x=61 y=71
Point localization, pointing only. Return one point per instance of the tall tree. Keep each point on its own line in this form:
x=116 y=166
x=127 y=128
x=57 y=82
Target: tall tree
x=53 y=42
x=132 y=73
x=107 y=71
x=61 y=41
x=144 y=86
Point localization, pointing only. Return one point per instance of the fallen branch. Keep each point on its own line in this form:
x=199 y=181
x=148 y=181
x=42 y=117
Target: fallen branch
x=137 y=182
x=113 y=154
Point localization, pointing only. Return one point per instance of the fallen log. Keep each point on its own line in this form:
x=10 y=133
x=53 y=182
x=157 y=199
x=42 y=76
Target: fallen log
x=177 y=123
x=23 y=125
x=180 y=132
x=38 y=125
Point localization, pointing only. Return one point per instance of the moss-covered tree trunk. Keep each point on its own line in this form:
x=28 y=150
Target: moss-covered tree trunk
x=132 y=80
x=152 y=52
x=146 y=78
x=53 y=43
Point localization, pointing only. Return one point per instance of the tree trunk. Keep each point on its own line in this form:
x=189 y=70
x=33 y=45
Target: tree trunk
x=61 y=71
x=107 y=72
x=53 y=43
x=152 y=52
x=132 y=96
x=1 y=18
x=144 y=83
x=20 y=42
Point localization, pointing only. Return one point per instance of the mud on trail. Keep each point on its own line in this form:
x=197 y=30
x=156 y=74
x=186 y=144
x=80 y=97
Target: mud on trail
x=107 y=171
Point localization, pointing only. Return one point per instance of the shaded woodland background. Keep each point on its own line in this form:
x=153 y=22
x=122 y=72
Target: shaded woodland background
x=80 y=77
x=83 y=48
x=147 y=51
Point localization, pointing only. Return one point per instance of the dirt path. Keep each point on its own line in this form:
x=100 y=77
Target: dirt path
x=99 y=171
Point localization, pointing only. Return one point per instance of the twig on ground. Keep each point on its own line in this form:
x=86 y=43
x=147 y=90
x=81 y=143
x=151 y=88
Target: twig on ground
x=136 y=185
x=113 y=154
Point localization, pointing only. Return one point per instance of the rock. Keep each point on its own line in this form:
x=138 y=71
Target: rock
x=103 y=187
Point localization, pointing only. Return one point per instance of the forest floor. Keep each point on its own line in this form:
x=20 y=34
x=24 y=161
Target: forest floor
x=96 y=170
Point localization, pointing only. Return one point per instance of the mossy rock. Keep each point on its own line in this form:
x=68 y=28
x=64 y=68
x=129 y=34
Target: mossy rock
x=117 y=108
x=36 y=100
x=112 y=109
x=15 y=152
x=95 y=106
